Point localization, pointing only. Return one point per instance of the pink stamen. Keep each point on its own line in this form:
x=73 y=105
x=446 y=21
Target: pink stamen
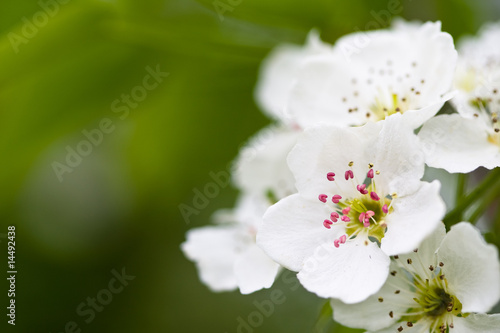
x=336 y=243
x=327 y=224
x=345 y=218
x=343 y=239
x=346 y=210
x=334 y=216
x=374 y=196
x=370 y=174
x=385 y=209
x=366 y=224
x=322 y=197
x=349 y=174
x=362 y=188
x=336 y=198
x=362 y=217
x=370 y=213
x=330 y=176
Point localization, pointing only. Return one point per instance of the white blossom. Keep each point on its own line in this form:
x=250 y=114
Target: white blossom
x=407 y=69
x=226 y=254
x=357 y=187
x=439 y=287
x=465 y=141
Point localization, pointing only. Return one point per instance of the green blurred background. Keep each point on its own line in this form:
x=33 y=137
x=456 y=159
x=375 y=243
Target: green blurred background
x=62 y=68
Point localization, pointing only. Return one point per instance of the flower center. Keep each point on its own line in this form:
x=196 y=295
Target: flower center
x=432 y=302
x=361 y=216
x=395 y=91
x=386 y=106
x=487 y=105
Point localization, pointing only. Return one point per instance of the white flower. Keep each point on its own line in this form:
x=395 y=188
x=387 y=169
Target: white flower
x=227 y=256
x=434 y=289
x=278 y=72
x=261 y=167
x=461 y=143
x=329 y=232
x=371 y=75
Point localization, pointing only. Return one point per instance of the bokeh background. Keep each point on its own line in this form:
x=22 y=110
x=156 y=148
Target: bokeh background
x=118 y=207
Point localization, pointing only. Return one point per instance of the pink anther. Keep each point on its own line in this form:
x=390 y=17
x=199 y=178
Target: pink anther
x=322 y=197
x=349 y=174
x=327 y=224
x=336 y=243
x=343 y=239
x=362 y=217
x=346 y=210
x=362 y=189
x=334 y=216
x=336 y=198
x=345 y=218
x=385 y=209
x=330 y=176
x=374 y=196
x=370 y=173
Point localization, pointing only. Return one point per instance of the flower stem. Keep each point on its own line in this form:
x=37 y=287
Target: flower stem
x=485 y=186
x=484 y=204
x=495 y=229
x=461 y=189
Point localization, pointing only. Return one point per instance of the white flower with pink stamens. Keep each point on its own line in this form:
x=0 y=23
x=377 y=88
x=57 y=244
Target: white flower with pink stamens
x=465 y=141
x=370 y=76
x=226 y=254
x=436 y=288
x=360 y=200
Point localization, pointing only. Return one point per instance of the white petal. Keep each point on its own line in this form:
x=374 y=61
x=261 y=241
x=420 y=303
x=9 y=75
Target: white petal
x=261 y=166
x=372 y=314
x=293 y=229
x=419 y=327
x=416 y=117
x=471 y=268
x=414 y=218
x=424 y=53
x=214 y=250
x=477 y=323
x=399 y=158
x=322 y=93
x=457 y=144
x=278 y=73
x=255 y=270
x=351 y=273
x=479 y=50
x=426 y=254
x=324 y=149
x=249 y=211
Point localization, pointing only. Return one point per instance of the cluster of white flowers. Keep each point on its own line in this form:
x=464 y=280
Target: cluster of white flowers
x=333 y=190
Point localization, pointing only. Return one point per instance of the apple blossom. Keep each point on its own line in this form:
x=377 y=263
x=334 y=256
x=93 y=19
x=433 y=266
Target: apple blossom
x=226 y=254
x=436 y=288
x=359 y=200
x=470 y=139
x=407 y=69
